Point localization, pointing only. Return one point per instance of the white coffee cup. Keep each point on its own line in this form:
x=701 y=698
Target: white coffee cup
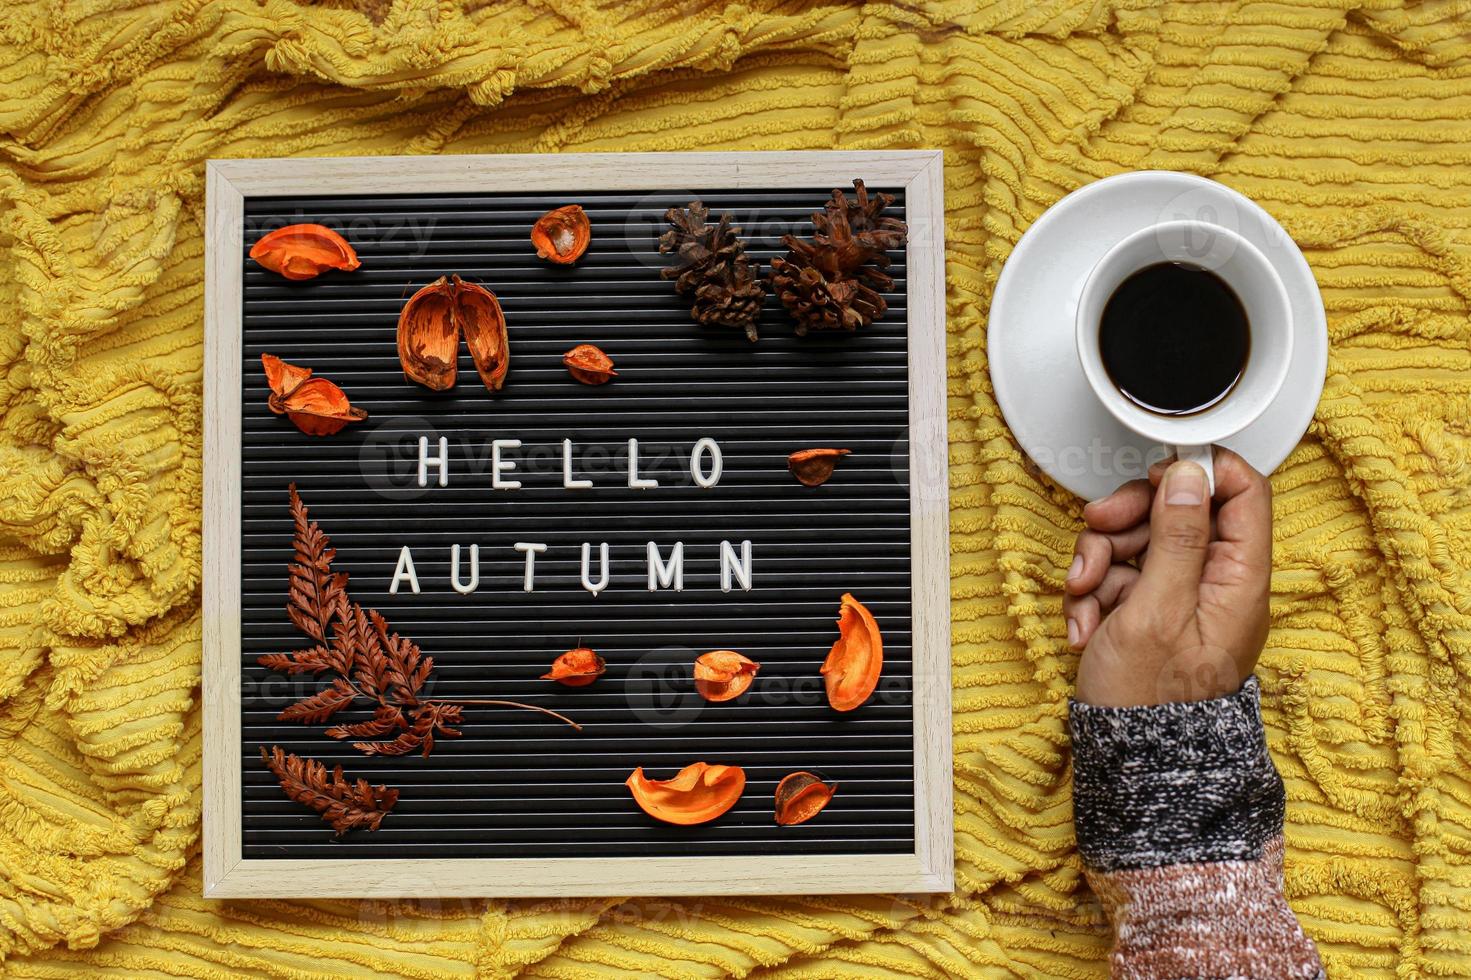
x=1254 y=281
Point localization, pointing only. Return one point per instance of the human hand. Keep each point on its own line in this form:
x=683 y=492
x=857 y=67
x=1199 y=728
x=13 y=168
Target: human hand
x=1167 y=601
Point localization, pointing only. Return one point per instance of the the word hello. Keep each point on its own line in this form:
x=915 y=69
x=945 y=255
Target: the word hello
x=706 y=464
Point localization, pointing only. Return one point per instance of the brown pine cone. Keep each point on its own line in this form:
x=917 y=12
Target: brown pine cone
x=714 y=273
x=833 y=281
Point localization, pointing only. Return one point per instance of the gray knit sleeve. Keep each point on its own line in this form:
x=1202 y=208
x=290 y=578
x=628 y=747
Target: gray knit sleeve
x=1178 y=811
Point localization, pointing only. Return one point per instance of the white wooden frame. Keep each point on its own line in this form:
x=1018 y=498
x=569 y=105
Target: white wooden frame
x=929 y=869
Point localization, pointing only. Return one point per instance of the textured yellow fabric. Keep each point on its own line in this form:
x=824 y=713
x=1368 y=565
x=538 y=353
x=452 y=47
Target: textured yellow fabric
x=1349 y=121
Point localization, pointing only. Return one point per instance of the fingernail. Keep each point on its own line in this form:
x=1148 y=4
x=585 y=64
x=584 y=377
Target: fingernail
x=1072 y=632
x=1076 y=568
x=1184 y=485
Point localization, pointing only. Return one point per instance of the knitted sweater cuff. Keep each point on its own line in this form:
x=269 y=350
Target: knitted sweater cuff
x=1174 y=783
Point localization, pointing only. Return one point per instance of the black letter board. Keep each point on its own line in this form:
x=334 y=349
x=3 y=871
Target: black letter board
x=517 y=784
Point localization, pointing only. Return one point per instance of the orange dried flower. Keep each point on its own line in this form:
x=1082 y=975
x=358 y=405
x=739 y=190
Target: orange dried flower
x=800 y=797
x=588 y=364
x=851 y=671
x=723 y=675
x=429 y=329
x=316 y=406
x=304 y=251
x=812 y=467
x=576 y=668
x=562 y=235
x=700 y=793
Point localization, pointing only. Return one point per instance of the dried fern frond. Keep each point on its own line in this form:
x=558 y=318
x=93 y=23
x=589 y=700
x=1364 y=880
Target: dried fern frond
x=364 y=664
x=345 y=805
x=314 y=590
x=361 y=656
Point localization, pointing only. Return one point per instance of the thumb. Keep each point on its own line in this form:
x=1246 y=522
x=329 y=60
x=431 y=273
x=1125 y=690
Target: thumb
x=1179 y=533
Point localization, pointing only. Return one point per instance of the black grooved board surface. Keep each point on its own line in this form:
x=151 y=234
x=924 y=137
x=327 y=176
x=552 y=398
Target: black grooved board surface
x=516 y=784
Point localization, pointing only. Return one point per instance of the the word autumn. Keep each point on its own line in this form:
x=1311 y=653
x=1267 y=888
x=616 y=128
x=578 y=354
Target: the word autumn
x=664 y=571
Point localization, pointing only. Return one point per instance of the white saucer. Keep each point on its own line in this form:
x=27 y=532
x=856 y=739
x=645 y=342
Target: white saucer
x=1031 y=344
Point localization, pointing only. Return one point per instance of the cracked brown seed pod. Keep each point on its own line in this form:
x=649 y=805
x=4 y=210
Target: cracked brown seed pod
x=833 y=281
x=714 y=273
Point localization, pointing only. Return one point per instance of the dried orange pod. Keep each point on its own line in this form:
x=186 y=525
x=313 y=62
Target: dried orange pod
x=576 y=668
x=428 y=339
x=812 y=467
x=316 y=406
x=320 y=408
x=480 y=319
x=304 y=251
x=700 y=793
x=800 y=797
x=851 y=670
x=588 y=364
x=561 y=235
x=722 y=675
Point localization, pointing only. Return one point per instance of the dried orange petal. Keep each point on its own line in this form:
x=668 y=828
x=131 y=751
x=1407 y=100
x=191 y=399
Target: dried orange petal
x=304 y=251
x=700 y=793
x=428 y=340
x=576 y=668
x=588 y=364
x=562 y=235
x=800 y=797
x=812 y=467
x=722 y=675
x=480 y=319
x=320 y=408
x=851 y=670
x=282 y=377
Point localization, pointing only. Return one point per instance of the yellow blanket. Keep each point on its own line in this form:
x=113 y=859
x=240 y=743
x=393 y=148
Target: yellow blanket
x=1350 y=121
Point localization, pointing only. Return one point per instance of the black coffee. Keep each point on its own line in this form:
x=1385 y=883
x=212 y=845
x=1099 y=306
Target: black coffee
x=1174 y=338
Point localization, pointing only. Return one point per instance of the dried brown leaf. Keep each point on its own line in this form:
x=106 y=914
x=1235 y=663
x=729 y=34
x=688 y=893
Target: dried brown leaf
x=345 y=805
x=312 y=661
x=317 y=708
x=429 y=719
x=369 y=663
x=386 y=719
x=314 y=591
x=406 y=668
x=405 y=743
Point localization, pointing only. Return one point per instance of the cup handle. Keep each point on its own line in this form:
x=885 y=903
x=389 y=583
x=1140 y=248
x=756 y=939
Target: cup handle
x=1202 y=456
